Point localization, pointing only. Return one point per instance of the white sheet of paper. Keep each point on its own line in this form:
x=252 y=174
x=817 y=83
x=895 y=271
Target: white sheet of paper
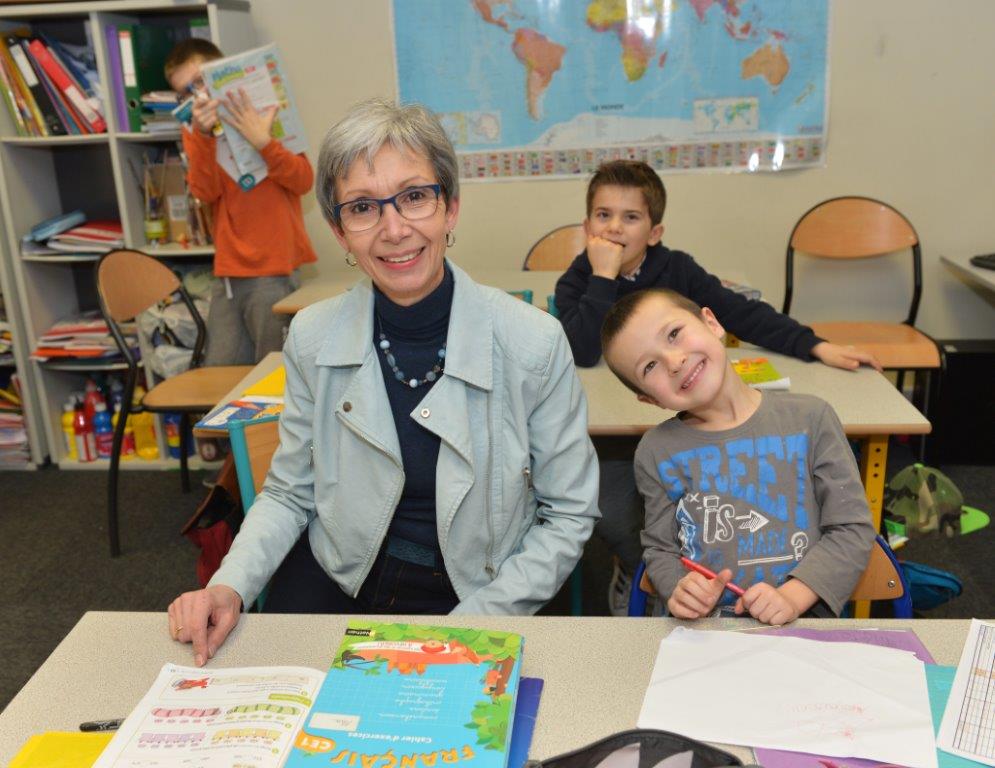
x=835 y=699
x=968 y=727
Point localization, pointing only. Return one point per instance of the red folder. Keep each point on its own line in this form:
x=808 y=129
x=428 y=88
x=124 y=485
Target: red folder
x=63 y=82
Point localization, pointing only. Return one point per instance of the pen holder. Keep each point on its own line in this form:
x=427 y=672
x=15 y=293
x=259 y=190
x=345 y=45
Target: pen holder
x=155 y=231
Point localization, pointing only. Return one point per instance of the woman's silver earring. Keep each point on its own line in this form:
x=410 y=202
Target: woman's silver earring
x=350 y=263
x=450 y=239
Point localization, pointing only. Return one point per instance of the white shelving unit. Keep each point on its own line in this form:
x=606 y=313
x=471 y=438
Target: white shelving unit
x=43 y=177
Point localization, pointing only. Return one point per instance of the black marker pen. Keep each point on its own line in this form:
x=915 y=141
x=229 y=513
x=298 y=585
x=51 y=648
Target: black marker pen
x=101 y=725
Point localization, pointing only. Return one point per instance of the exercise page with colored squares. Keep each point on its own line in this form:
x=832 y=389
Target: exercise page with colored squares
x=244 y=716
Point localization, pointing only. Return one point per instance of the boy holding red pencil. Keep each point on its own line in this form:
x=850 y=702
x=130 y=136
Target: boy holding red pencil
x=755 y=489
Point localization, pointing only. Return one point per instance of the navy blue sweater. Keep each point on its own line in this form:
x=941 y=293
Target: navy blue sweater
x=415 y=333
x=583 y=299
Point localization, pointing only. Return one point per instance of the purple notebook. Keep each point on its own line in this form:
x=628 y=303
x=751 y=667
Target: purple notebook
x=117 y=78
x=903 y=639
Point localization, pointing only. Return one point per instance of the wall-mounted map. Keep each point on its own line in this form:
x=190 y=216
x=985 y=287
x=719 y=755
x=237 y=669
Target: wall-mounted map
x=539 y=88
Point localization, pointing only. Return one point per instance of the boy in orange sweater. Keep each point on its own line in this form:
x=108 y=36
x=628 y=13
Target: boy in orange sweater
x=259 y=236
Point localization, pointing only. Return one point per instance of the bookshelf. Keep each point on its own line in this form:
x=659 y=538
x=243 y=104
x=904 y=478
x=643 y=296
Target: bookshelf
x=44 y=176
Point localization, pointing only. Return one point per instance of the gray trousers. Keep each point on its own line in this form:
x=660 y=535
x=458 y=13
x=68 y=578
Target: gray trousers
x=241 y=326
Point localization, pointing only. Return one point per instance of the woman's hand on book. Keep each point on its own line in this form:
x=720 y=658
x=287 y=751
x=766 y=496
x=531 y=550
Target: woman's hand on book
x=204 y=617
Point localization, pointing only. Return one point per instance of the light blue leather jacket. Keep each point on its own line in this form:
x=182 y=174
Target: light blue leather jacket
x=517 y=478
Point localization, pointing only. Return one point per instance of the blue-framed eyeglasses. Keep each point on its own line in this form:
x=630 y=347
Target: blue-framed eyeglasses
x=412 y=203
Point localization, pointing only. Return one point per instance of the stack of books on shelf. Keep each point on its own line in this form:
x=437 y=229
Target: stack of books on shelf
x=49 y=87
x=85 y=338
x=157 y=112
x=72 y=233
x=13 y=435
x=6 y=340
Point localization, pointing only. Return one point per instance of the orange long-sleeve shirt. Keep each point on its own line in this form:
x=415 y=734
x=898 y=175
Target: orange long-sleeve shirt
x=258 y=233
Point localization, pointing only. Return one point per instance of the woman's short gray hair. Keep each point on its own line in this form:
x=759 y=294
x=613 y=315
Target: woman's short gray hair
x=370 y=125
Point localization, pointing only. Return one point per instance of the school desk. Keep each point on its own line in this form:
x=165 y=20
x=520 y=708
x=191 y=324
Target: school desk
x=108 y=661
x=867 y=404
x=541 y=283
x=962 y=266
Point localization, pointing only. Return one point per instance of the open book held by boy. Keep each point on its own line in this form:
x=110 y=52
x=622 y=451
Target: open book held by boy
x=760 y=487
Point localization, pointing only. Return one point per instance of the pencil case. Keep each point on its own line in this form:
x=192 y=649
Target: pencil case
x=643 y=748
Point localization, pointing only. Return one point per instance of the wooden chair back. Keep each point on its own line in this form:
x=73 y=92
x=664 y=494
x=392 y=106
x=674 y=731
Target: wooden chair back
x=881 y=579
x=847 y=228
x=852 y=228
x=555 y=250
x=129 y=282
x=253 y=444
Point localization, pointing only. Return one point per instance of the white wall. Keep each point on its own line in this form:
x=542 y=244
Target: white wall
x=912 y=120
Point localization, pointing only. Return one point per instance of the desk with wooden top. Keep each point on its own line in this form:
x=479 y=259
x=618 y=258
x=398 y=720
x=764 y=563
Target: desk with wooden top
x=867 y=404
x=108 y=661
x=541 y=283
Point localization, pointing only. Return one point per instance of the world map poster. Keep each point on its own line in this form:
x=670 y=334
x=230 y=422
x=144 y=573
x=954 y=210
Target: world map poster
x=535 y=88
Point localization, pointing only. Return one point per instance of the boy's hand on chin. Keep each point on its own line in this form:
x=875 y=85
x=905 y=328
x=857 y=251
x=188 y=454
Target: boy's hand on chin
x=605 y=257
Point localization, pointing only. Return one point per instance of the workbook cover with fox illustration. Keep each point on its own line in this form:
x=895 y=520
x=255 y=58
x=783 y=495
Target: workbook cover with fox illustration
x=410 y=696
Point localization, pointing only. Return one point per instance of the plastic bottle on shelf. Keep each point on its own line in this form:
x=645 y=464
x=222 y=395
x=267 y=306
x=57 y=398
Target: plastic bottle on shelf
x=86 y=446
x=171 y=423
x=91 y=397
x=69 y=442
x=103 y=431
x=145 y=444
x=128 y=439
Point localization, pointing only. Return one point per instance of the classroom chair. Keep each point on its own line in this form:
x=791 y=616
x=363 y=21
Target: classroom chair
x=128 y=283
x=555 y=250
x=253 y=443
x=883 y=579
x=848 y=228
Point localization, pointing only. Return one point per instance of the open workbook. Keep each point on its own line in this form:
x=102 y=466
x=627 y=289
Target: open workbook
x=395 y=695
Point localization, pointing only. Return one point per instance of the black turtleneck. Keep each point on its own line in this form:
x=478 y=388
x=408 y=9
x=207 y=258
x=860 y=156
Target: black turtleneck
x=416 y=334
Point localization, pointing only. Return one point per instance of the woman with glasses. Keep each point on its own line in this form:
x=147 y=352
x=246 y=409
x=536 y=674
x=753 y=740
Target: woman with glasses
x=434 y=454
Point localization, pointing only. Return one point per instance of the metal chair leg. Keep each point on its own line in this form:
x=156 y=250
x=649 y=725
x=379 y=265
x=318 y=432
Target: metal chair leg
x=112 y=472
x=186 y=438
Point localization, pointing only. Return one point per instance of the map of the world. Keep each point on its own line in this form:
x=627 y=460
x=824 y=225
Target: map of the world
x=538 y=88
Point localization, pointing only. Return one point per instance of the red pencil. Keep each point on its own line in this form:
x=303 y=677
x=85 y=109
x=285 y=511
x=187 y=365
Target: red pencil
x=691 y=565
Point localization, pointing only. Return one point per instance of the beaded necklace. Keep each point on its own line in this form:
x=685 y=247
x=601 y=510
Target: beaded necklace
x=430 y=375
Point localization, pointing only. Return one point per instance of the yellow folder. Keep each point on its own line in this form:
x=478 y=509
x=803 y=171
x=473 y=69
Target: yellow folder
x=61 y=749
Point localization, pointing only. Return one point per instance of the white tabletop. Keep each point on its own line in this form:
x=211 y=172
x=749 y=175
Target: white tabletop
x=963 y=266
x=596 y=669
x=865 y=401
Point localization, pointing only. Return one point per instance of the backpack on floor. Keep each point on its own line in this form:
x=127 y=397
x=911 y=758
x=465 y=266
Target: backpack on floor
x=923 y=499
x=216 y=521
x=930 y=587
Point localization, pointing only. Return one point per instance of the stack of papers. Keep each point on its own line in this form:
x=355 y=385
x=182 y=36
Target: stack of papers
x=84 y=336
x=14 y=449
x=72 y=233
x=835 y=699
